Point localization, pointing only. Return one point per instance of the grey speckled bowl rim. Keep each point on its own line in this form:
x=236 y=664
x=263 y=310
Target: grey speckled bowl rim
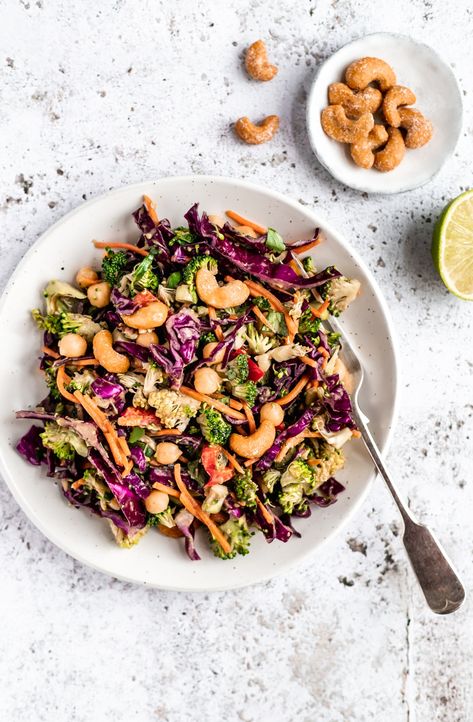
x=360 y=188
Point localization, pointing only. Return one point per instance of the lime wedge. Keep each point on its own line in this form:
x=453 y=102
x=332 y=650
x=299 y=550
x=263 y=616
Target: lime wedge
x=452 y=246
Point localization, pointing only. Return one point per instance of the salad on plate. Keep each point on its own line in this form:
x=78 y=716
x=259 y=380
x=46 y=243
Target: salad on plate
x=193 y=383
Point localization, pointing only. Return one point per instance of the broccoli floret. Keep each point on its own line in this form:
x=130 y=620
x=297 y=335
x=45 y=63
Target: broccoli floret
x=246 y=488
x=308 y=323
x=191 y=269
x=257 y=343
x=173 y=408
x=64 y=442
x=208 y=337
x=81 y=381
x=270 y=478
x=50 y=378
x=331 y=461
x=143 y=276
x=262 y=303
x=237 y=369
x=214 y=499
x=50 y=323
x=60 y=296
x=183 y=236
x=238 y=535
x=126 y=541
x=309 y=265
x=246 y=392
x=173 y=280
x=113 y=266
x=213 y=426
x=341 y=292
x=61 y=323
x=164 y=517
x=297 y=480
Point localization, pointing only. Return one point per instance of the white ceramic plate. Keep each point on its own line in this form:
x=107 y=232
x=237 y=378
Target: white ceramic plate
x=156 y=560
x=439 y=97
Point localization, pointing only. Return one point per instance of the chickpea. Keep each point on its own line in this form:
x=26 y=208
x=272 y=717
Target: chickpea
x=272 y=412
x=206 y=381
x=86 y=277
x=146 y=339
x=72 y=345
x=99 y=294
x=207 y=350
x=167 y=453
x=156 y=502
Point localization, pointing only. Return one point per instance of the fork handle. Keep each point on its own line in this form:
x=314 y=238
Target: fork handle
x=438 y=580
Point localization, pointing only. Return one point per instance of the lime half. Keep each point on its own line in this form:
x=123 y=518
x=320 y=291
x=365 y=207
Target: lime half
x=452 y=246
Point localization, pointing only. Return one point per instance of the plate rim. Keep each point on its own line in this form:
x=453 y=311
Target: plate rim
x=360 y=187
x=304 y=556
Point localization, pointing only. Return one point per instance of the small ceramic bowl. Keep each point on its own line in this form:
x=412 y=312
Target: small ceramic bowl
x=439 y=98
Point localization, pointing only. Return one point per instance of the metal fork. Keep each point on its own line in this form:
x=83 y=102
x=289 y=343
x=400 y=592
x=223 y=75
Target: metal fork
x=438 y=580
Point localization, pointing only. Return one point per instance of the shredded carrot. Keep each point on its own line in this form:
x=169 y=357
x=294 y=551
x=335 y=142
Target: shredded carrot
x=318 y=312
x=356 y=433
x=62 y=379
x=266 y=514
x=295 y=267
x=212 y=402
x=151 y=208
x=250 y=462
x=245 y=222
x=295 y=441
x=128 y=467
x=314 y=462
x=262 y=318
x=167 y=489
x=256 y=289
x=124 y=246
x=307 y=246
x=194 y=508
x=49 y=352
x=117 y=453
x=104 y=425
x=123 y=444
x=183 y=459
x=314 y=384
x=77 y=484
x=213 y=317
x=233 y=461
x=309 y=362
x=234 y=404
x=323 y=351
x=250 y=417
x=166 y=432
x=293 y=392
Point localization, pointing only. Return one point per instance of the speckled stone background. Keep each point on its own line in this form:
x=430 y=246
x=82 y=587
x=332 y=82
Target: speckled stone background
x=97 y=94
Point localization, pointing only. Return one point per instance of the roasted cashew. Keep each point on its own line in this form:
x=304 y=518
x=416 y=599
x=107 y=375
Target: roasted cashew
x=231 y=294
x=111 y=360
x=362 y=152
x=257 y=64
x=355 y=104
x=392 y=154
x=419 y=128
x=396 y=96
x=336 y=124
x=370 y=70
x=255 y=445
x=150 y=316
x=256 y=134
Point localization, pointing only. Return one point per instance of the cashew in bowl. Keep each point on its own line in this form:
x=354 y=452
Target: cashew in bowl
x=256 y=134
x=396 y=96
x=355 y=104
x=362 y=152
x=257 y=63
x=336 y=124
x=255 y=445
x=370 y=70
x=392 y=154
x=106 y=355
x=232 y=294
x=150 y=316
x=419 y=128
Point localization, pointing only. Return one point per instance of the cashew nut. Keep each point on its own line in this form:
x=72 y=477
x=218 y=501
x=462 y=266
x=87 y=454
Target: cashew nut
x=419 y=128
x=257 y=64
x=370 y=70
x=255 y=445
x=362 y=152
x=86 y=277
x=232 y=294
x=274 y=413
x=392 y=154
x=396 y=96
x=105 y=354
x=336 y=124
x=256 y=134
x=355 y=104
x=150 y=316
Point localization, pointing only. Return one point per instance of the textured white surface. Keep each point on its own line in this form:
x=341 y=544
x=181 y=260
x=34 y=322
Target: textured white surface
x=99 y=94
